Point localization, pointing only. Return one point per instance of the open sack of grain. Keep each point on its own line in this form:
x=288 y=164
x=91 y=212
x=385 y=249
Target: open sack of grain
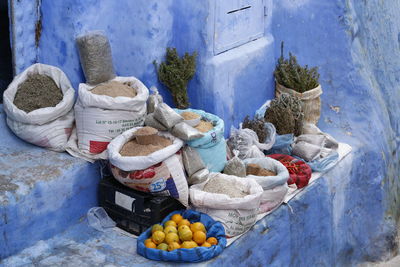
x=212 y=146
x=38 y=104
x=105 y=111
x=272 y=176
x=232 y=200
x=150 y=161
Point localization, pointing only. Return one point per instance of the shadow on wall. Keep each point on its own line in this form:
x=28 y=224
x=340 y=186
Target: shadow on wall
x=5 y=50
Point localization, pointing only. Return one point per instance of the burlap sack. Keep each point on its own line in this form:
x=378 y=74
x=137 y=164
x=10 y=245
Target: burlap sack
x=311 y=101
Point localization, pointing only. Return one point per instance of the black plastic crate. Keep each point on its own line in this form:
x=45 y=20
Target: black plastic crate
x=132 y=210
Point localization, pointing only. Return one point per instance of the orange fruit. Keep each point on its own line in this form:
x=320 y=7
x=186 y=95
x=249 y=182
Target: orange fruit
x=184 y=222
x=198 y=226
x=150 y=245
x=177 y=218
x=171 y=237
x=199 y=237
x=206 y=244
x=156 y=227
x=181 y=227
x=147 y=240
x=162 y=246
x=185 y=235
x=170 y=223
x=173 y=245
x=212 y=240
x=170 y=229
x=158 y=237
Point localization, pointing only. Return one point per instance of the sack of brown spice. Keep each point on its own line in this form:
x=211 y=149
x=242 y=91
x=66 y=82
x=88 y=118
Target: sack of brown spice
x=102 y=117
x=151 y=165
x=272 y=176
x=38 y=104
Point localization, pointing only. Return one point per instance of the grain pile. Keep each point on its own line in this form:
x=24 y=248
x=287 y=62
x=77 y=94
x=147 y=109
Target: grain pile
x=255 y=169
x=204 y=126
x=221 y=186
x=153 y=143
x=115 y=89
x=187 y=115
x=37 y=91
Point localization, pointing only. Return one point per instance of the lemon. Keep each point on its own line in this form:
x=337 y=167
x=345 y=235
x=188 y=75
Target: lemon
x=185 y=235
x=170 y=223
x=162 y=246
x=170 y=229
x=184 y=222
x=181 y=227
x=189 y=244
x=173 y=246
x=156 y=227
x=158 y=237
x=171 y=237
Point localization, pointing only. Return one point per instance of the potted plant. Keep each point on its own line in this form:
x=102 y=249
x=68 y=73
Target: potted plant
x=175 y=73
x=302 y=82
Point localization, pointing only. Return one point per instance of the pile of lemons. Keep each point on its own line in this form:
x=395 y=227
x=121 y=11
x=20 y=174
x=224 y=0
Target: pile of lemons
x=179 y=233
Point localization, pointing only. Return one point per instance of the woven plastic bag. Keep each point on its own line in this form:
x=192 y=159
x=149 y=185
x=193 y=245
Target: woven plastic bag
x=100 y=118
x=160 y=173
x=95 y=56
x=212 y=146
x=269 y=182
x=198 y=254
x=246 y=142
x=236 y=214
x=46 y=127
x=235 y=166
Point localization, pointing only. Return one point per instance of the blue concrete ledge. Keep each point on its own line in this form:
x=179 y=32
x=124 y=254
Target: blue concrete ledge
x=307 y=232
x=41 y=192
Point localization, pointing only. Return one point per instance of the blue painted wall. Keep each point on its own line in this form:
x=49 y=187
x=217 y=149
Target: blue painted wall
x=356 y=46
x=140 y=31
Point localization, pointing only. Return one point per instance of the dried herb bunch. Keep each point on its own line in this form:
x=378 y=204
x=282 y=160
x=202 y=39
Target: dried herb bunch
x=286 y=114
x=291 y=75
x=256 y=125
x=175 y=73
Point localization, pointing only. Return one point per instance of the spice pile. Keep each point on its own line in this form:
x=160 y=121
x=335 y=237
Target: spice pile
x=187 y=115
x=152 y=143
x=220 y=186
x=204 y=126
x=115 y=89
x=37 y=91
x=255 y=169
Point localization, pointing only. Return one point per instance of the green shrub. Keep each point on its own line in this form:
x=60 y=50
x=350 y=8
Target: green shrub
x=257 y=125
x=291 y=75
x=286 y=114
x=175 y=73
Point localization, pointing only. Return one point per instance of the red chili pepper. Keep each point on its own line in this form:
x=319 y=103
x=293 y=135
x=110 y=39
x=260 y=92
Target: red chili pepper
x=149 y=174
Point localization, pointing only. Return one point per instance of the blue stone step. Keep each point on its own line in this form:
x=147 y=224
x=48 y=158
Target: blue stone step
x=304 y=233
x=41 y=192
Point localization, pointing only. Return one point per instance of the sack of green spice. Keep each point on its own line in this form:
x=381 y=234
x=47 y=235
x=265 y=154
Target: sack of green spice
x=33 y=118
